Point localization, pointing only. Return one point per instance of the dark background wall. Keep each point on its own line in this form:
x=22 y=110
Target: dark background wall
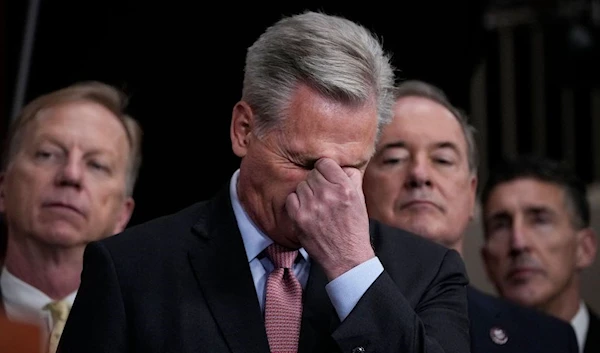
x=526 y=71
x=182 y=65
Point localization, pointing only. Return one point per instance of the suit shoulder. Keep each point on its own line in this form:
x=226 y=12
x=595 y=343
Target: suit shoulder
x=480 y=302
x=160 y=229
x=410 y=258
x=529 y=330
x=387 y=237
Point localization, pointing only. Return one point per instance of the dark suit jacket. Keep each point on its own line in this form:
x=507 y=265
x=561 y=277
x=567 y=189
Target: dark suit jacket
x=182 y=283
x=527 y=330
x=592 y=340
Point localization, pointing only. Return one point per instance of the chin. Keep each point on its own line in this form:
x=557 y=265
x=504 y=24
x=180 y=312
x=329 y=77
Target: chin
x=424 y=227
x=61 y=237
x=524 y=296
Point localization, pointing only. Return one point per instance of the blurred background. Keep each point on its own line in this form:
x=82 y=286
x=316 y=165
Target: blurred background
x=525 y=71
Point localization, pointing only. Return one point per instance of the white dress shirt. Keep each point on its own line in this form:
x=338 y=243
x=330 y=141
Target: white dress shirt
x=25 y=303
x=580 y=323
x=344 y=291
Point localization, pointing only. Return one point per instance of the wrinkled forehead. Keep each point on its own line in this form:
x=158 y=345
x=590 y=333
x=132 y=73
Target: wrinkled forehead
x=525 y=194
x=87 y=125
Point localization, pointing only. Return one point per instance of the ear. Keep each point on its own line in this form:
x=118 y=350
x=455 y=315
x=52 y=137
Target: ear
x=241 y=128
x=124 y=215
x=2 y=186
x=587 y=246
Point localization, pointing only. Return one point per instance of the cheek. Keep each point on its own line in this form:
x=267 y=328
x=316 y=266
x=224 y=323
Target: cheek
x=382 y=190
x=497 y=257
x=106 y=197
x=285 y=183
x=559 y=258
x=387 y=184
x=456 y=186
x=24 y=186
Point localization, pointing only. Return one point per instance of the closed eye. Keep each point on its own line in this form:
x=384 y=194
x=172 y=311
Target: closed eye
x=43 y=154
x=99 y=166
x=443 y=161
x=393 y=160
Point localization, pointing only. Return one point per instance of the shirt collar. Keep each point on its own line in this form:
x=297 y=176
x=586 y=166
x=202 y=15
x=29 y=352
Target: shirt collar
x=18 y=293
x=580 y=323
x=255 y=241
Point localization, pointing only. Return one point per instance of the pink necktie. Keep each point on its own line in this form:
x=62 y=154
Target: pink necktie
x=283 y=304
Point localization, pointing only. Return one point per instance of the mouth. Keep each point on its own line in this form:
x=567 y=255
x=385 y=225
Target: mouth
x=420 y=204
x=63 y=207
x=522 y=274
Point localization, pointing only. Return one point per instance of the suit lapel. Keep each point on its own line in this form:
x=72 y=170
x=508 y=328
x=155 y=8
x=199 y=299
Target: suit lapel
x=592 y=340
x=319 y=318
x=224 y=277
x=484 y=318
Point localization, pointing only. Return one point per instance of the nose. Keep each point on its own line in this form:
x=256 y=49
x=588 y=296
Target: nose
x=70 y=172
x=519 y=239
x=419 y=174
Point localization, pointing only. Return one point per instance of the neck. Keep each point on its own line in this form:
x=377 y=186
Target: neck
x=52 y=270
x=565 y=304
x=458 y=246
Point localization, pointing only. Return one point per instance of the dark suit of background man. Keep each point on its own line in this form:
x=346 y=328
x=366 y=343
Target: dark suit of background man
x=423 y=178
x=69 y=170
x=538 y=239
x=317 y=89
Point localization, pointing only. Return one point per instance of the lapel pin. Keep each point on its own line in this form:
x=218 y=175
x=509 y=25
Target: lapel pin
x=498 y=335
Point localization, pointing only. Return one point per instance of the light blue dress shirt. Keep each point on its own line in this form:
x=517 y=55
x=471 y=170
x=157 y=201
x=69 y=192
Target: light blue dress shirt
x=344 y=291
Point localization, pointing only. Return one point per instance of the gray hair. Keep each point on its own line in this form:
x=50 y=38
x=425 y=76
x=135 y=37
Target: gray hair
x=339 y=58
x=416 y=88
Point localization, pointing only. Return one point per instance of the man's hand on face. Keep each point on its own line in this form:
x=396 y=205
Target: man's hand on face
x=329 y=209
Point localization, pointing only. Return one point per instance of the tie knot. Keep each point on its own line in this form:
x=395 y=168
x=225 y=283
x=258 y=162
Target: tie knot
x=58 y=309
x=280 y=256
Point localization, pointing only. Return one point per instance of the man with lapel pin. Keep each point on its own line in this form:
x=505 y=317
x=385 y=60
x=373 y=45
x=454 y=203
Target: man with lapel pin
x=538 y=240
x=423 y=178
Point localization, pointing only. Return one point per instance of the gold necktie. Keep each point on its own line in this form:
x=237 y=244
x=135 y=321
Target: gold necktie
x=59 y=311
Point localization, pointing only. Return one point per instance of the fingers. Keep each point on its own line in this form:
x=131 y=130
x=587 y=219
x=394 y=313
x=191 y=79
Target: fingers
x=330 y=170
x=326 y=173
x=292 y=205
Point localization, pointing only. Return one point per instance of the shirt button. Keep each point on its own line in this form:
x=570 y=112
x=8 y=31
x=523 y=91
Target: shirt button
x=358 y=350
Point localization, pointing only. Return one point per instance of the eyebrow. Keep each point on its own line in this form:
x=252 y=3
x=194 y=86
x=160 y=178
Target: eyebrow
x=396 y=144
x=498 y=215
x=539 y=210
x=438 y=145
x=49 y=138
x=529 y=210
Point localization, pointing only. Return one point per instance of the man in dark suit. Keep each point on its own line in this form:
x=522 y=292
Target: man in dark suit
x=423 y=178
x=317 y=88
x=538 y=239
